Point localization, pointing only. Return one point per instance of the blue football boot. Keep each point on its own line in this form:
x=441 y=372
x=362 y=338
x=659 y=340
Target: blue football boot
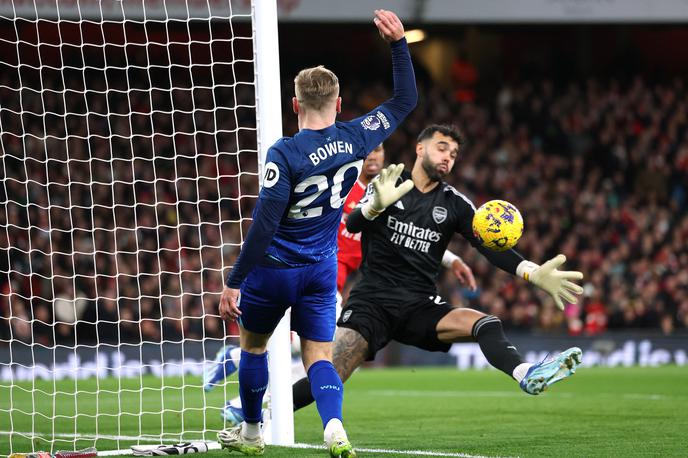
x=545 y=373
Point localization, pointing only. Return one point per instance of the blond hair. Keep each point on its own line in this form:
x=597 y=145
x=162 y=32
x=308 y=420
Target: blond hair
x=315 y=87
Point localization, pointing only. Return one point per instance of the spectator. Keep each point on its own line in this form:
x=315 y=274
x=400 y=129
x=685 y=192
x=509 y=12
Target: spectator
x=141 y=223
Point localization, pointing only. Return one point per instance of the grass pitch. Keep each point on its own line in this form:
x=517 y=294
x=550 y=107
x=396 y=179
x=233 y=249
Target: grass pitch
x=392 y=412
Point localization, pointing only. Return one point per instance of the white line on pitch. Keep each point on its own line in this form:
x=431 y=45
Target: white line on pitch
x=216 y=446
x=400 y=452
x=503 y=394
x=452 y=394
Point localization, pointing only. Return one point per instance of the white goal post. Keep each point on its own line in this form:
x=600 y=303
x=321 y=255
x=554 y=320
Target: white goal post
x=269 y=123
x=132 y=136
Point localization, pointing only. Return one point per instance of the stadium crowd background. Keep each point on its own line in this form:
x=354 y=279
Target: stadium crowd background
x=598 y=168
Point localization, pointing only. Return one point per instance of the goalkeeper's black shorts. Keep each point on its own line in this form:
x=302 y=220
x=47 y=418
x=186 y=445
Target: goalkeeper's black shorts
x=381 y=315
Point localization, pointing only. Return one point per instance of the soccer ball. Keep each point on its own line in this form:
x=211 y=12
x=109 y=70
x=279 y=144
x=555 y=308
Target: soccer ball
x=498 y=225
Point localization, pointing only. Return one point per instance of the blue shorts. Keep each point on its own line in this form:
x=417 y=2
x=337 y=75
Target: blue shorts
x=310 y=291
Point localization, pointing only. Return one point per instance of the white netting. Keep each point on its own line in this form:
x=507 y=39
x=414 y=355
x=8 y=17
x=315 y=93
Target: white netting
x=129 y=165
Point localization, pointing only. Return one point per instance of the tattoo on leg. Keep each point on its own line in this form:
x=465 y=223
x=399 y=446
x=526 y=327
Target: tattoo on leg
x=350 y=350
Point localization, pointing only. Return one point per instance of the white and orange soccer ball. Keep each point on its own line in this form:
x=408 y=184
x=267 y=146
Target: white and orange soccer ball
x=498 y=225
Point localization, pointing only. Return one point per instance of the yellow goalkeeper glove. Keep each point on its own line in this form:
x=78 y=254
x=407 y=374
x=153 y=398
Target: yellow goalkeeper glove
x=556 y=282
x=386 y=192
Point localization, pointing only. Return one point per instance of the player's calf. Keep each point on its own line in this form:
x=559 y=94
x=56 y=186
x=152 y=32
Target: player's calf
x=497 y=349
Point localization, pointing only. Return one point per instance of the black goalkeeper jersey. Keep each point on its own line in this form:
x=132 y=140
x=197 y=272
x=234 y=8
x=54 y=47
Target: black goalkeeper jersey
x=403 y=246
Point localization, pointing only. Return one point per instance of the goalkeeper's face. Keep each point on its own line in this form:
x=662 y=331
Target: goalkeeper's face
x=438 y=155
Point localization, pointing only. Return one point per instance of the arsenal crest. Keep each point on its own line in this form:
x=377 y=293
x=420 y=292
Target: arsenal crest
x=439 y=214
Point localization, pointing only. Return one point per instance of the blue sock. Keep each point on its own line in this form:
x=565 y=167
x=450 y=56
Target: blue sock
x=327 y=390
x=253 y=381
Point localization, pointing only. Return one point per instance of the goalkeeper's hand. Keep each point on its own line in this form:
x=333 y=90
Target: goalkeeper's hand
x=556 y=282
x=386 y=192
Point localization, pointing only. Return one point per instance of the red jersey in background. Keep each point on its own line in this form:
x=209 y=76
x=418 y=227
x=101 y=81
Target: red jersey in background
x=349 y=256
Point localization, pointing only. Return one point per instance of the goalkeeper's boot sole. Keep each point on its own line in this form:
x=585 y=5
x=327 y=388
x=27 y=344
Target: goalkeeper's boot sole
x=232 y=440
x=221 y=368
x=341 y=448
x=545 y=373
x=232 y=415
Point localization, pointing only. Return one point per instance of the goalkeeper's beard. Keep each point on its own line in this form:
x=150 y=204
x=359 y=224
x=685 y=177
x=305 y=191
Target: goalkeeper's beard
x=431 y=170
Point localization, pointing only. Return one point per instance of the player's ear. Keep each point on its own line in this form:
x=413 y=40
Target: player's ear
x=420 y=149
x=339 y=105
x=295 y=105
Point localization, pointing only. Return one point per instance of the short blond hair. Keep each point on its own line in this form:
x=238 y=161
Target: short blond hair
x=315 y=87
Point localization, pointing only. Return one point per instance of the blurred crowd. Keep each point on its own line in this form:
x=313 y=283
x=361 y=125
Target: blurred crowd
x=122 y=205
x=123 y=210
x=599 y=170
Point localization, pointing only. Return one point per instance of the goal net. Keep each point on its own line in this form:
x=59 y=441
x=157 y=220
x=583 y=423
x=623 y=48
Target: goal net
x=130 y=168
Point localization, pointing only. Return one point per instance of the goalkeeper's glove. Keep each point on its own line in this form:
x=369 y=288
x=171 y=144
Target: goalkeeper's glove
x=385 y=191
x=556 y=282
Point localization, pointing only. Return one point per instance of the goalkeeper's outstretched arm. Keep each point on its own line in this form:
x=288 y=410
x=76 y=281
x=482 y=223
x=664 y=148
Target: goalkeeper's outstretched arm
x=558 y=283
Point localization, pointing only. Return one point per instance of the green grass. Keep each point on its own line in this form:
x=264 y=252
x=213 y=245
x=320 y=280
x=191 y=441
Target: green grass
x=600 y=412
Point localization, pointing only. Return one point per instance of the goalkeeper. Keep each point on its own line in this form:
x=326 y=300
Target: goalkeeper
x=348 y=260
x=406 y=225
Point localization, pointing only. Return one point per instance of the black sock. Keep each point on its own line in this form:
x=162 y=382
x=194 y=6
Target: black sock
x=500 y=353
x=301 y=392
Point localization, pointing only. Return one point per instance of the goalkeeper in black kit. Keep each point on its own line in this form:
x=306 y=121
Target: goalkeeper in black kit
x=406 y=225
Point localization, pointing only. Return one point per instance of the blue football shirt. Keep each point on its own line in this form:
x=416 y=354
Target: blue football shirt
x=308 y=176
x=313 y=172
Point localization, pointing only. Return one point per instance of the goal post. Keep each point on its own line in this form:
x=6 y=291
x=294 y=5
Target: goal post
x=269 y=123
x=132 y=136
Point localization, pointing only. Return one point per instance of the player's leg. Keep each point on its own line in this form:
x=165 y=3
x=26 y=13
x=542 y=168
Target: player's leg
x=460 y=324
x=253 y=381
x=326 y=386
x=265 y=295
x=225 y=364
x=313 y=318
x=350 y=351
x=232 y=412
x=464 y=324
x=365 y=326
x=253 y=373
x=328 y=391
